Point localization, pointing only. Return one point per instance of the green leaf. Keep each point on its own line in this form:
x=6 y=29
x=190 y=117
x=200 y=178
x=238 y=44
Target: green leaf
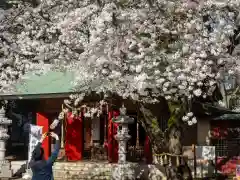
x=173 y=106
x=154 y=123
x=171 y=121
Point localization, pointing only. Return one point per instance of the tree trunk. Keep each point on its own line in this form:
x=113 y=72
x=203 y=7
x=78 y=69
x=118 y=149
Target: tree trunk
x=174 y=140
x=169 y=140
x=150 y=122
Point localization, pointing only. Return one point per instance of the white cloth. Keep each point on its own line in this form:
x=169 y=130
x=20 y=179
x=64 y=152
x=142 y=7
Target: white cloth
x=34 y=137
x=54 y=124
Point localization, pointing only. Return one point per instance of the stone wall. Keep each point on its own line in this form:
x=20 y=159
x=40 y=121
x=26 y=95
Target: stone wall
x=93 y=170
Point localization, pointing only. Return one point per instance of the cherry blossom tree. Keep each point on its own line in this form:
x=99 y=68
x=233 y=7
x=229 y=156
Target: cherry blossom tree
x=137 y=49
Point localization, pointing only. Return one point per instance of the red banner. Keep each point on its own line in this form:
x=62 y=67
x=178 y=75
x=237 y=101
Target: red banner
x=74 y=138
x=43 y=121
x=148 y=150
x=112 y=143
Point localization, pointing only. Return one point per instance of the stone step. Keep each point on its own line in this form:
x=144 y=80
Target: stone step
x=81 y=164
x=18 y=162
x=17 y=166
x=67 y=168
x=84 y=178
x=82 y=170
x=60 y=173
x=80 y=176
x=80 y=173
x=90 y=171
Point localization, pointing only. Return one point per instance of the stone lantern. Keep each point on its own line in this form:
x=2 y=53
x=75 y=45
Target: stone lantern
x=123 y=170
x=5 y=165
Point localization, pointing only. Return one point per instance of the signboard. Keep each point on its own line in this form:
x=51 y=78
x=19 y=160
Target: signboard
x=35 y=135
x=205 y=152
x=205 y=158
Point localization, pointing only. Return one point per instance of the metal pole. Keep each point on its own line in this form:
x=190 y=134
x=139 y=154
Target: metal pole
x=195 y=161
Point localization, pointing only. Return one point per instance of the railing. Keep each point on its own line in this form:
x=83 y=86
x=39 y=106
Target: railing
x=87 y=153
x=99 y=153
x=167 y=159
x=224 y=146
x=135 y=154
x=174 y=165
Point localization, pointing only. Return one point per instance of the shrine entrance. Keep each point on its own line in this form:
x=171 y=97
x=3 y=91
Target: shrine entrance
x=139 y=149
x=82 y=138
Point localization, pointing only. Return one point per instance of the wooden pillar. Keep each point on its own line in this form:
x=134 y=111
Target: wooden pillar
x=137 y=140
x=105 y=128
x=96 y=131
x=44 y=122
x=87 y=133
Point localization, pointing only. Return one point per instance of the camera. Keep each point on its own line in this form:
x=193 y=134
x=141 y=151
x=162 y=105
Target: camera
x=48 y=133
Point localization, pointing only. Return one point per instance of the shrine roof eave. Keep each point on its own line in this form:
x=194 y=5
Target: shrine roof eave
x=210 y=110
x=34 y=96
x=228 y=117
x=49 y=85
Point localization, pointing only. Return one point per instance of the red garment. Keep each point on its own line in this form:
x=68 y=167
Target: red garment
x=74 y=138
x=112 y=143
x=148 y=150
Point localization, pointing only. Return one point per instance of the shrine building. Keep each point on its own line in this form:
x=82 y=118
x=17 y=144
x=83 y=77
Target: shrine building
x=39 y=101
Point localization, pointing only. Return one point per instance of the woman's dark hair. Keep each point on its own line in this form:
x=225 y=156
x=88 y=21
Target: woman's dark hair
x=38 y=154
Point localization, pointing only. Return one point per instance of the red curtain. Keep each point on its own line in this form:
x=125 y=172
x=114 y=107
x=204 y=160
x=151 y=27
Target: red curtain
x=43 y=121
x=74 y=138
x=112 y=143
x=148 y=150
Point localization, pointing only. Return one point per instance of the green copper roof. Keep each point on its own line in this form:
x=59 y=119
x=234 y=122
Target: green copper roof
x=51 y=82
